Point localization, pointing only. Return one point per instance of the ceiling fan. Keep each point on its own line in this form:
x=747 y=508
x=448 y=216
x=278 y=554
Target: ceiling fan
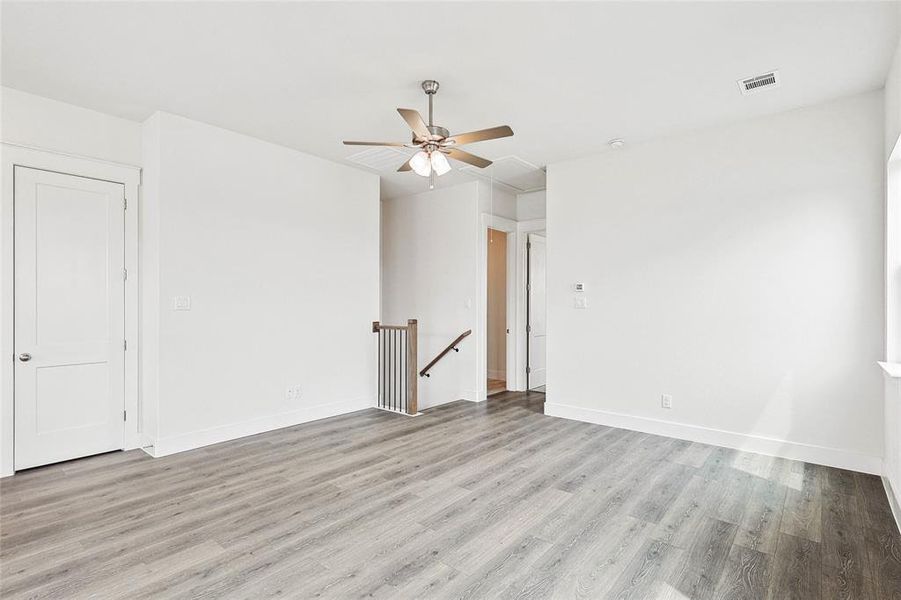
x=435 y=143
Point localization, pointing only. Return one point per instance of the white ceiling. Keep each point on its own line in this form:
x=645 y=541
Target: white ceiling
x=567 y=77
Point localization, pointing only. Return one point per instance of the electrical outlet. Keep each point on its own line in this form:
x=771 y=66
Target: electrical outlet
x=666 y=401
x=293 y=392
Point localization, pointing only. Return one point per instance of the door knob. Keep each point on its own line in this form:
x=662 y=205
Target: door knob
x=24 y=357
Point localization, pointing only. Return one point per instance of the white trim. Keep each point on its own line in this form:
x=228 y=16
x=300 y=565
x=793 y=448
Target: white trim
x=821 y=455
x=508 y=226
x=891 y=369
x=12 y=154
x=470 y=396
x=524 y=228
x=225 y=433
x=396 y=412
x=516 y=264
x=60 y=153
x=892 y=501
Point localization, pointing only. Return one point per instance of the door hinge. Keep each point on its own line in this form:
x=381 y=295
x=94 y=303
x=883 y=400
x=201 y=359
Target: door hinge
x=126 y=203
x=528 y=369
x=125 y=345
x=124 y=415
x=528 y=329
x=528 y=245
x=125 y=274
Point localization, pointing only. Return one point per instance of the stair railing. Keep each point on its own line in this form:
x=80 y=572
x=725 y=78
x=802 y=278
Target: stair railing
x=452 y=346
x=397 y=381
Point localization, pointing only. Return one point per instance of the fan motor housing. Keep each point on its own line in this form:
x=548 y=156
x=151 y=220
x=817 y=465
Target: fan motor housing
x=438 y=134
x=430 y=86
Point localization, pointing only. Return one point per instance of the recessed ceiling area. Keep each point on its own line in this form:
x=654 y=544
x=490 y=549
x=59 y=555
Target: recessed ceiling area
x=566 y=81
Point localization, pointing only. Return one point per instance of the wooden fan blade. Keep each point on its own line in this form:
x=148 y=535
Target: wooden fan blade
x=414 y=120
x=466 y=157
x=405 y=167
x=347 y=143
x=480 y=135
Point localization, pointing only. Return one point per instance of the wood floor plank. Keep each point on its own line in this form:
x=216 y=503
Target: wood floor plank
x=693 y=454
x=664 y=487
x=468 y=500
x=746 y=575
x=803 y=508
x=845 y=561
x=797 y=569
x=643 y=578
x=762 y=518
x=884 y=552
x=687 y=512
x=704 y=561
x=877 y=513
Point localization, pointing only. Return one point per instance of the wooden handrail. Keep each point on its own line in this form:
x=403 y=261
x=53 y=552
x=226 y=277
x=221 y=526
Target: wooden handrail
x=451 y=346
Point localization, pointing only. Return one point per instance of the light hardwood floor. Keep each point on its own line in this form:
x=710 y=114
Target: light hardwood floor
x=491 y=500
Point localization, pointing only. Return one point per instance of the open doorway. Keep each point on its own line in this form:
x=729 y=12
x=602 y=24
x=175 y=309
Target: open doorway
x=498 y=330
x=536 y=312
x=502 y=306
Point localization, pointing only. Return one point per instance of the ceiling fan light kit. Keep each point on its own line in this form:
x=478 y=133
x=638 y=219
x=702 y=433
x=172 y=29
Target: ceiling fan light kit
x=435 y=143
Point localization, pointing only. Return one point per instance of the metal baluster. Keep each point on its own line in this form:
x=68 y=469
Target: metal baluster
x=391 y=366
x=403 y=354
x=378 y=351
x=393 y=370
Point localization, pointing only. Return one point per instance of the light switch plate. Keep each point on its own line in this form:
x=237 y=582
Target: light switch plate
x=578 y=287
x=181 y=303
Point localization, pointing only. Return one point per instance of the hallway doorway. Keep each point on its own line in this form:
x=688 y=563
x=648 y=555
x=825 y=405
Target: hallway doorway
x=498 y=328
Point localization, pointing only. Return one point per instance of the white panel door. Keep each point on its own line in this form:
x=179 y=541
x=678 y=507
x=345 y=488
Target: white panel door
x=69 y=317
x=537 y=311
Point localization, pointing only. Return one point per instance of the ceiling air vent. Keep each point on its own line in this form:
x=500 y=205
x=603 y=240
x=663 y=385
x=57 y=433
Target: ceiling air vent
x=512 y=174
x=758 y=83
x=381 y=159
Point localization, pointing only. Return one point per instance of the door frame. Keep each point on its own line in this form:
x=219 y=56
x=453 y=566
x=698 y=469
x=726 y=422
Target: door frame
x=516 y=299
x=528 y=311
x=508 y=226
x=11 y=156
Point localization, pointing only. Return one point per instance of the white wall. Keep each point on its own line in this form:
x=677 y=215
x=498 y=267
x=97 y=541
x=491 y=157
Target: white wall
x=279 y=253
x=429 y=253
x=892 y=407
x=532 y=205
x=739 y=269
x=494 y=201
x=51 y=125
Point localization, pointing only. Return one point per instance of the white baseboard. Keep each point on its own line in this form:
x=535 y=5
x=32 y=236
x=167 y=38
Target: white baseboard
x=473 y=395
x=893 y=501
x=215 y=435
x=821 y=455
x=467 y=395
